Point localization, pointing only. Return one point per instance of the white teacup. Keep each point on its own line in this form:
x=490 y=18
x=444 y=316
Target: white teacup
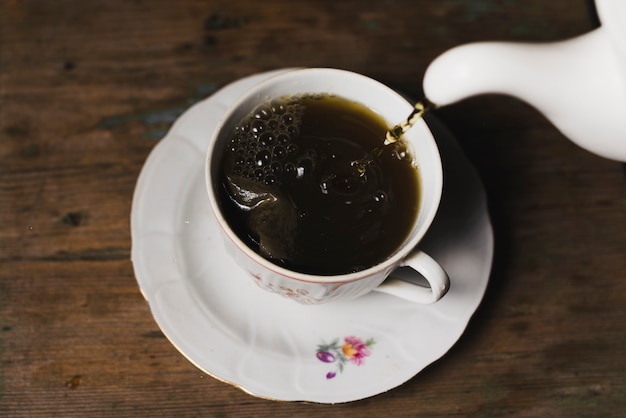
x=316 y=289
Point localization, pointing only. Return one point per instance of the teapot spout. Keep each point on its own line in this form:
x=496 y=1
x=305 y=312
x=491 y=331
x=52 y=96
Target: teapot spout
x=575 y=83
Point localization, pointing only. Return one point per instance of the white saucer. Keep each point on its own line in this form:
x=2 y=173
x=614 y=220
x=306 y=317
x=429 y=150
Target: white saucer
x=270 y=346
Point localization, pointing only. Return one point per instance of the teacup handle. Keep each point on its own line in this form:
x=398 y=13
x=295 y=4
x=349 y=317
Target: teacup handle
x=431 y=270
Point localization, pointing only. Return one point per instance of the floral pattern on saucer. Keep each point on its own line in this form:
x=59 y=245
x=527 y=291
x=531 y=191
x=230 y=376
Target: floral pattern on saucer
x=352 y=350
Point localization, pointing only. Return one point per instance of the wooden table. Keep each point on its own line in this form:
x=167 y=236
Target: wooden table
x=88 y=88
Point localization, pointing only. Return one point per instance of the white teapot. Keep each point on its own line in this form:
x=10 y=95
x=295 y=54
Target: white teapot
x=578 y=84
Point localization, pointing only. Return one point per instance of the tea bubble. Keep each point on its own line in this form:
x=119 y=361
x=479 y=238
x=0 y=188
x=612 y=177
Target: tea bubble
x=270 y=179
x=290 y=169
x=266 y=139
x=278 y=108
x=292 y=149
x=263 y=114
x=258 y=126
x=279 y=152
x=276 y=168
x=282 y=139
x=263 y=158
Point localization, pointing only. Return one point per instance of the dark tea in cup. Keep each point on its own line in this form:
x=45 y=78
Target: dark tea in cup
x=299 y=205
x=289 y=190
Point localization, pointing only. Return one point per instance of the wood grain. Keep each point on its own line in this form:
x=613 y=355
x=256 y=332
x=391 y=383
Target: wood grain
x=87 y=88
